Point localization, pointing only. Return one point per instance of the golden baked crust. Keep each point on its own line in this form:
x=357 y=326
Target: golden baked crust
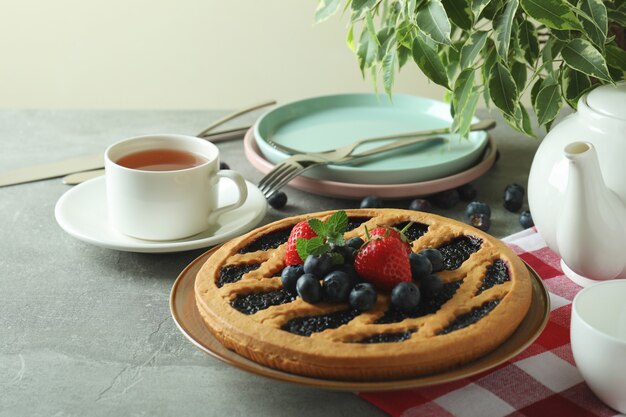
x=432 y=342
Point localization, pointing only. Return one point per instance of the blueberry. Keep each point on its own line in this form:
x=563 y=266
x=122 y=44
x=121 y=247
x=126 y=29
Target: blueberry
x=277 y=200
x=477 y=207
x=435 y=257
x=420 y=265
x=480 y=221
x=355 y=243
x=318 y=265
x=289 y=276
x=405 y=296
x=513 y=197
x=346 y=252
x=350 y=272
x=431 y=285
x=371 y=201
x=526 y=219
x=363 y=297
x=224 y=165
x=309 y=288
x=419 y=204
x=467 y=192
x=337 y=286
x=446 y=199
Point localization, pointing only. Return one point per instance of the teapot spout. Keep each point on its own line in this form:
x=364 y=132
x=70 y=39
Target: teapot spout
x=591 y=230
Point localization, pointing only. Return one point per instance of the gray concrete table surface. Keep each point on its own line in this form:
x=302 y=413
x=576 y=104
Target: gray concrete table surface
x=87 y=330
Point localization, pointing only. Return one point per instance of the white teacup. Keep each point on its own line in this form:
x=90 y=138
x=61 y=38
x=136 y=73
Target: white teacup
x=165 y=187
x=598 y=336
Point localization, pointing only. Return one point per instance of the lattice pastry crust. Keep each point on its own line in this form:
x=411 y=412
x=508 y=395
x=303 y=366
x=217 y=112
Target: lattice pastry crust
x=484 y=300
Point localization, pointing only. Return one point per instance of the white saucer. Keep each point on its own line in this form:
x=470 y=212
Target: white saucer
x=82 y=212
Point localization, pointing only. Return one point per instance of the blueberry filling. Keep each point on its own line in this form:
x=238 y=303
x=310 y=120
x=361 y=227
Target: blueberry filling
x=414 y=232
x=458 y=250
x=471 y=317
x=306 y=326
x=253 y=302
x=354 y=222
x=425 y=307
x=388 y=337
x=233 y=273
x=271 y=240
x=497 y=273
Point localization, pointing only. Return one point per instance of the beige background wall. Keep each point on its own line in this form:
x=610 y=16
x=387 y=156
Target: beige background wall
x=175 y=54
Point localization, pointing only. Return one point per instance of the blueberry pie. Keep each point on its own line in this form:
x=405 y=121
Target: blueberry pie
x=486 y=293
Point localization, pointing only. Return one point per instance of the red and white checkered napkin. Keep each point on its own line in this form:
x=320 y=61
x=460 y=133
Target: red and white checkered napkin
x=541 y=381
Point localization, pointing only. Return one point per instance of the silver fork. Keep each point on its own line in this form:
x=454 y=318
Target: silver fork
x=295 y=165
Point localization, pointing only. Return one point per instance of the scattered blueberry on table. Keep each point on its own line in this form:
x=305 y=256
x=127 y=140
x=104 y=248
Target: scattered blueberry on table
x=477 y=207
x=446 y=199
x=513 y=197
x=371 y=201
x=480 y=221
x=526 y=219
x=467 y=192
x=421 y=204
x=277 y=200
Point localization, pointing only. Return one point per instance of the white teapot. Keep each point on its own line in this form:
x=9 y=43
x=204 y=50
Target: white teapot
x=577 y=187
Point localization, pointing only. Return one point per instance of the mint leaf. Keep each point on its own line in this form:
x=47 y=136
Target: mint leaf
x=318 y=227
x=314 y=246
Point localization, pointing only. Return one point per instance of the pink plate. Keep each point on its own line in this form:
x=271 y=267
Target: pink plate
x=358 y=191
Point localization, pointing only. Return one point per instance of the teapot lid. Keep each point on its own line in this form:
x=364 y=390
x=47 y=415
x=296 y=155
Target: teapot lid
x=609 y=100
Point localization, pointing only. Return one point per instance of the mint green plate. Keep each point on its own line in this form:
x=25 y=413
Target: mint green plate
x=327 y=122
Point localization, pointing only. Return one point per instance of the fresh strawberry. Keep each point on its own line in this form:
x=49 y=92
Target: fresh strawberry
x=383 y=231
x=301 y=230
x=384 y=262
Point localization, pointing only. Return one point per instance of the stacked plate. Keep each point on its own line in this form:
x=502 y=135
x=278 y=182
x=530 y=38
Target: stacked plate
x=327 y=122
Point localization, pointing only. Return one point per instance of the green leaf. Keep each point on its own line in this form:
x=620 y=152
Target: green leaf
x=477 y=7
x=459 y=12
x=389 y=70
x=472 y=47
x=581 y=55
x=616 y=58
x=350 y=38
x=337 y=224
x=596 y=23
x=433 y=21
x=534 y=91
x=359 y=5
x=325 y=9
x=367 y=51
x=429 y=62
x=556 y=14
x=465 y=100
x=520 y=121
x=489 y=60
x=503 y=26
x=403 y=55
x=318 y=226
x=548 y=103
x=502 y=89
x=528 y=42
x=519 y=72
x=574 y=85
x=618 y=16
x=369 y=24
x=314 y=246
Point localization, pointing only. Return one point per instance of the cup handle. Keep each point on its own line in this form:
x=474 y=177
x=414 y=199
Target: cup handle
x=242 y=188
